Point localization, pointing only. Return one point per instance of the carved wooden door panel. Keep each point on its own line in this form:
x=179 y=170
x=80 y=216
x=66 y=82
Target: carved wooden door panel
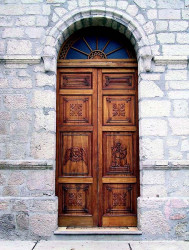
x=77 y=147
x=97 y=147
x=117 y=146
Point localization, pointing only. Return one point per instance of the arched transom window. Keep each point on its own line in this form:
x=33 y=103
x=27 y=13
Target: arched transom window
x=97 y=43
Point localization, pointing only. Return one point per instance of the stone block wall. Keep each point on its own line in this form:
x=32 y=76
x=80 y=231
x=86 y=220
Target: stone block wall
x=31 y=33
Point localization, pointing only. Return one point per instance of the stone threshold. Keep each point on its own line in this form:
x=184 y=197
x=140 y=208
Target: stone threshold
x=97 y=231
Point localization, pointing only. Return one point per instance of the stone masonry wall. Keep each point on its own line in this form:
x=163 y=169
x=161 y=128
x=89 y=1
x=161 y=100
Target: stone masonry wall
x=31 y=33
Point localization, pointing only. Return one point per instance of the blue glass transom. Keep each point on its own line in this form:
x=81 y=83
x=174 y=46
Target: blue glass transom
x=96 y=45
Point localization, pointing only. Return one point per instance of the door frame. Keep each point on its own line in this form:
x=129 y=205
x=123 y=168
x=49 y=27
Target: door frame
x=101 y=63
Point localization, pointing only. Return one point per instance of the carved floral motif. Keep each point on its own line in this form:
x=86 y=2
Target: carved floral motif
x=76 y=109
x=75 y=199
x=118 y=109
x=119 y=199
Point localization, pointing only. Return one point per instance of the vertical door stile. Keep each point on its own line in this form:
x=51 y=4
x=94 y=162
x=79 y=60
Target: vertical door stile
x=95 y=148
x=100 y=149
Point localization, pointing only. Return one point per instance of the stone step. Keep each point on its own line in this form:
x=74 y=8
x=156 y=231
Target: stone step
x=97 y=231
x=98 y=234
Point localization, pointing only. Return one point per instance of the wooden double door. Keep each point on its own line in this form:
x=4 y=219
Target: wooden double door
x=97 y=146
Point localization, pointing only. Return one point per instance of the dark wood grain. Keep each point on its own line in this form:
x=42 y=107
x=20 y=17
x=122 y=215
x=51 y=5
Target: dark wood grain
x=97 y=174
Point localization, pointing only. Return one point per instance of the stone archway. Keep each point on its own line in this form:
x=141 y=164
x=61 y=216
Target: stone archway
x=90 y=16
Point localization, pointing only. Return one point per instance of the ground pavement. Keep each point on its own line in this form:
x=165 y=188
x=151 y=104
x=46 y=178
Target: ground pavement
x=94 y=245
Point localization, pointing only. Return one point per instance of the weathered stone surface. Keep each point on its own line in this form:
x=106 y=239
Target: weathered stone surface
x=155 y=127
x=11 y=10
x=185 y=145
x=177 y=216
x=149 y=89
x=151 y=149
x=17 y=150
x=10 y=191
x=7 y=223
x=19 y=47
x=175 y=154
x=154 y=223
x=169 y=14
x=173 y=50
x=171 y=142
x=3 y=128
x=169 y=4
x=43 y=224
x=122 y=4
x=154 y=191
x=22 y=221
x=178 y=25
x=83 y=3
x=132 y=10
x=152 y=203
x=182 y=37
x=150 y=76
x=22 y=83
x=185 y=14
x=166 y=37
x=44 y=98
x=180 y=108
x=179 y=203
x=42 y=21
x=145 y=3
x=176 y=75
x=19 y=127
x=181 y=228
x=15 y=101
x=2 y=47
x=34 y=32
x=179 y=126
x=13 y=32
x=16 y=178
x=161 y=25
x=45 y=80
x=177 y=84
x=155 y=108
x=45 y=120
x=2 y=179
x=178 y=95
x=149 y=27
x=19 y=205
x=24 y=116
x=3 y=83
x=4 y=205
x=44 y=206
x=33 y=9
x=25 y=21
x=6 y=21
x=153 y=177
x=41 y=180
x=41 y=147
x=152 y=14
